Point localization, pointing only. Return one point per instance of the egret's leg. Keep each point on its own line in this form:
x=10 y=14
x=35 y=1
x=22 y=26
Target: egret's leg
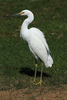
x=40 y=76
x=35 y=71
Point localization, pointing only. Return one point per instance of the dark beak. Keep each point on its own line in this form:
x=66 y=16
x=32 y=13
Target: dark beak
x=16 y=14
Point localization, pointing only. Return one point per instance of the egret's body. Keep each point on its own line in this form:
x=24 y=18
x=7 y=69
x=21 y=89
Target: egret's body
x=36 y=41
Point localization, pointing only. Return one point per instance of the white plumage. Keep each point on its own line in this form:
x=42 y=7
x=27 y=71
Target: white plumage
x=36 y=40
x=39 y=47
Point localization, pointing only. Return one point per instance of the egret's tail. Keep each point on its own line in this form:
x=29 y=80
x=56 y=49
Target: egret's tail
x=49 y=62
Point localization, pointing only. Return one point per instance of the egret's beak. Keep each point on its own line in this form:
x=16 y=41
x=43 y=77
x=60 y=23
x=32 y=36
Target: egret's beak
x=16 y=14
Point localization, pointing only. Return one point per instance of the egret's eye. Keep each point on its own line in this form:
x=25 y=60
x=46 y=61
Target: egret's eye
x=21 y=12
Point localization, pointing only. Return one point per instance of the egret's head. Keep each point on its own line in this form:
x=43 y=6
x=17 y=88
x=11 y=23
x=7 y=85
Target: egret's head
x=24 y=12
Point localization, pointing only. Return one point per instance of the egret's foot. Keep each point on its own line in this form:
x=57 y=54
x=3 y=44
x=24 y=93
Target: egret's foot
x=38 y=83
x=32 y=81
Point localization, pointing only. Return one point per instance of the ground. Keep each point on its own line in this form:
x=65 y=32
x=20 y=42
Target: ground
x=43 y=93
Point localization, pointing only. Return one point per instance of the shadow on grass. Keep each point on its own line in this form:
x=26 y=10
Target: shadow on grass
x=31 y=72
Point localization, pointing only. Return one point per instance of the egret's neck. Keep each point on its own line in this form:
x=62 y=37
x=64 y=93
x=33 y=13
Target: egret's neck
x=27 y=21
x=24 y=33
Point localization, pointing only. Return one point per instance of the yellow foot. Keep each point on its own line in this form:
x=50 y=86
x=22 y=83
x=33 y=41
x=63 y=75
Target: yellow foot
x=32 y=81
x=38 y=83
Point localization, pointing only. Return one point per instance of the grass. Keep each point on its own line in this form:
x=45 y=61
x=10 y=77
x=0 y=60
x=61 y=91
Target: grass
x=16 y=61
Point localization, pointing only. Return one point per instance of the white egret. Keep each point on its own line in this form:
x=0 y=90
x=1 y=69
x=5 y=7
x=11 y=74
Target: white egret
x=36 y=42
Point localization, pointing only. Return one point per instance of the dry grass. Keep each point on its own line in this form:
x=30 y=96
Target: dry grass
x=42 y=93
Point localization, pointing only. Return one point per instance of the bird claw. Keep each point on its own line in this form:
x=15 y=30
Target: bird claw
x=37 y=83
x=32 y=81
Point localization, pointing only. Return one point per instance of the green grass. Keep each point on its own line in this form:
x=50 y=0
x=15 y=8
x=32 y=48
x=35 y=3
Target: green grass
x=16 y=61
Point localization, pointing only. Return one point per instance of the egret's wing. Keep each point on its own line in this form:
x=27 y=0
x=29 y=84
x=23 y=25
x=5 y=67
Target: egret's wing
x=41 y=36
x=33 y=52
x=37 y=44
